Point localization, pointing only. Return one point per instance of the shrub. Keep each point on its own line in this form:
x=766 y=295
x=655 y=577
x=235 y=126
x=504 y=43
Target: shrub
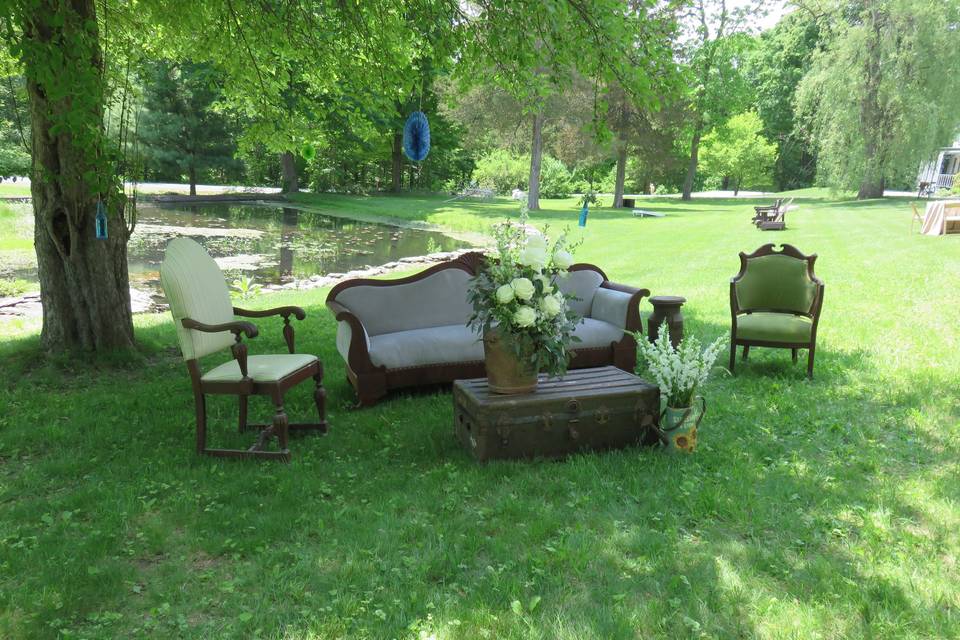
x=665 y=190
x=502 y=171
x=555 y=179
x=11 y=288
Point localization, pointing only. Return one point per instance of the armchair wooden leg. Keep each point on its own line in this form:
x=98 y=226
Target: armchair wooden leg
x=201 y=405
x=733 y=357
x=320 y=399
x=793 y=354
x=280 y=424
x=746 y=351
x=243 y=414
x=810 y=354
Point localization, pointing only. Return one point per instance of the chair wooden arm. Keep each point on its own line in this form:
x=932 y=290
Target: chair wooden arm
x=296 y=312
x=358 y=355
x=632 y=322
x=237 y=328
x=285 y=312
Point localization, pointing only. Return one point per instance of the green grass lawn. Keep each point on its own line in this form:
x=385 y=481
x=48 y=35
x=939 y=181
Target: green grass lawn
x=823 y=509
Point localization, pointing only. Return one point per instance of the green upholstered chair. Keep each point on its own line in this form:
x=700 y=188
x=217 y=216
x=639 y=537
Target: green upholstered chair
x=775 y=301
x=206 y=324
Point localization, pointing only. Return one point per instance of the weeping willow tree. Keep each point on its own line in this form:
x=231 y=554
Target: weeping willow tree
x=883 y=92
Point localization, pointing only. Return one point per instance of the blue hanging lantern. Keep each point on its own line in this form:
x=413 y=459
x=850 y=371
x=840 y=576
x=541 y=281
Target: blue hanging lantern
x=583 y=215
x=101 y=220
x=416 y=136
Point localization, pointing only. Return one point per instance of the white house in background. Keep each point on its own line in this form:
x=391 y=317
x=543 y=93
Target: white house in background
x=941 y=173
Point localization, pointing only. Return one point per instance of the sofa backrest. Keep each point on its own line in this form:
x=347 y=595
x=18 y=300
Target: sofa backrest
x=583 y=284
x=436 y=300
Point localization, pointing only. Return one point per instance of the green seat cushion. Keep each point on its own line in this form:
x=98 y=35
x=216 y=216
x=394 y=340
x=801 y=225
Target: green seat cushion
x=774 y=327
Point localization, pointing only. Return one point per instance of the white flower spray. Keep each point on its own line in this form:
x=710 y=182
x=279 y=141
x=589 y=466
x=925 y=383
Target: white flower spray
x=678 y=371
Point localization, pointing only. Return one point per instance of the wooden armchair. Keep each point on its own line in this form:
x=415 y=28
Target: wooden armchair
x=205 y=320
x=762 y=213
x=916 y=218
x=775 y=301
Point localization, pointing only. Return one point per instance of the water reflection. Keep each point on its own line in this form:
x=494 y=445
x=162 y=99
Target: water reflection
x=273 y=244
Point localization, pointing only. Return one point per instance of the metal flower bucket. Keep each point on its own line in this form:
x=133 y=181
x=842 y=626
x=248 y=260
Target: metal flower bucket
x=678 y=426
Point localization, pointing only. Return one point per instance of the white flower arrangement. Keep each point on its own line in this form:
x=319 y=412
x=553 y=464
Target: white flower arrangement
x=516 y=293
x=678 y=371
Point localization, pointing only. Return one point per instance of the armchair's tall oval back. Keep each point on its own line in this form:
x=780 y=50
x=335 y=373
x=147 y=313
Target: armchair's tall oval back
x=195 y=289
x=776 y=282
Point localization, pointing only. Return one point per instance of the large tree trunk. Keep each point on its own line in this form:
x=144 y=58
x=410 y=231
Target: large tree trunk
x=396 y=164
x=621 y=174
x=288 y=166
x=694 y=160
x=84 y=286
x=872 y=125
x=536 y=158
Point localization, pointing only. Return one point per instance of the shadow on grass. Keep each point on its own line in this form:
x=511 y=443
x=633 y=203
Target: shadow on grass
x=790 y=516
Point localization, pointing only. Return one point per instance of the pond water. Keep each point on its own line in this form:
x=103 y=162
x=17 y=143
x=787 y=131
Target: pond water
x=269 y=243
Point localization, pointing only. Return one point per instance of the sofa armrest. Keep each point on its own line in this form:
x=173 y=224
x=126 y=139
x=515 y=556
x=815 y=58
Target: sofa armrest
x=353 y=341
x=619 y=304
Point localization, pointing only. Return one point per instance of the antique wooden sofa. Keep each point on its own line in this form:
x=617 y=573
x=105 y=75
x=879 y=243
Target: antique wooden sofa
x=412 y=331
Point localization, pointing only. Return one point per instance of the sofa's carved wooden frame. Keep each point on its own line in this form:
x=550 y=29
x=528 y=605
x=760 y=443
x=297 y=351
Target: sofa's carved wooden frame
x=246 y=387
x=371 y=383
x=813 y=314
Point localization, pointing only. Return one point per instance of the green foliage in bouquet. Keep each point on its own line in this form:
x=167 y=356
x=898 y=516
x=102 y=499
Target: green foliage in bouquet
x=516 y=294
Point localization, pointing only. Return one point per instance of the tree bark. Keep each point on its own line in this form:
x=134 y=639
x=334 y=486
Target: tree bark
x=872 y=125
x=288 y=166
x=621 y=174
x=694 y=160
x=84 y=287
x=396 y=166
x=536 y=159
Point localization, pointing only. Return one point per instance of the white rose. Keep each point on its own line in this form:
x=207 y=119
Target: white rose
x=533 y=257
x=522 y=288
x=504 y=294
x=562 y=259
x=537 y=241
x=524 y=317
x=551 y=306
x=545 y=281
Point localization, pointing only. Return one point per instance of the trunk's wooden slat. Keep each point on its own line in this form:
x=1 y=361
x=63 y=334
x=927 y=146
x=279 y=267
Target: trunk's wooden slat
x=588 y=409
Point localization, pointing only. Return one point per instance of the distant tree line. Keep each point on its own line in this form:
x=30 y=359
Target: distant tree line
x=838 y=94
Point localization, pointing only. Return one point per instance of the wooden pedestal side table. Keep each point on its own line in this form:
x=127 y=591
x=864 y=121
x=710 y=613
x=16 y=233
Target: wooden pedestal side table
x=588 y=409
x=666 y=308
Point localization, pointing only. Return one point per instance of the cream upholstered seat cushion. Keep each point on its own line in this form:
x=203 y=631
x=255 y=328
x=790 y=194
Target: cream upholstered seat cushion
x=596 y=333
x=260 y=368
x=434 y=345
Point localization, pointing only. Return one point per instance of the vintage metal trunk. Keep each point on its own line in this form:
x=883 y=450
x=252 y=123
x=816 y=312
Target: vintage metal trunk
x=588 y=409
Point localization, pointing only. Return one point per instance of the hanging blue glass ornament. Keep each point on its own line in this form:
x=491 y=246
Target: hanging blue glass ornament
x=101 y=220
x=416 y=136
x=583 y=215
